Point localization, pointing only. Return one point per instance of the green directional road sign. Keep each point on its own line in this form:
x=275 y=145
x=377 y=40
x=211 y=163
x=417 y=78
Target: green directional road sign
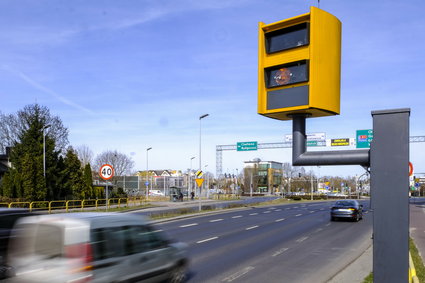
x=245 y=146
x=316 y=143
x=363 y=138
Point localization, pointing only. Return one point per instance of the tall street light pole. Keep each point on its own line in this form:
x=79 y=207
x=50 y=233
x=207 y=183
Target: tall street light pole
x=44 y=150
x=147 y=172
x=190 y=176
x=200 y=159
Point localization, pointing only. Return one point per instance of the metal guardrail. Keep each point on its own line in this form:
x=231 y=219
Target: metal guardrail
x=69 y=205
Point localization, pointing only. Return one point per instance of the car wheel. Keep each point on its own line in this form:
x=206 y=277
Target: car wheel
x=178 y=274
x=357 y=217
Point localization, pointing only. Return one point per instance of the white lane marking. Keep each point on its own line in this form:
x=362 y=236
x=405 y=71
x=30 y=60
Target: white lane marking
x=188 y=225
x=312 y=211
x=206 y=240
x=298 y=215
x=278 y=209
x=328 y=224
x=216 y=220
x=157 y=231
x=278 y=220
x=318 y=230
x=253 y=214
x=302 y=239
x=252 y=227
x=238 y=274
x=271 y=208
x=280 y=251
x=267 y=211
x=237 y=216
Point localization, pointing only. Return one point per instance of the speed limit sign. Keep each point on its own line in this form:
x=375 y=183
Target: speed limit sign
x=106 y=172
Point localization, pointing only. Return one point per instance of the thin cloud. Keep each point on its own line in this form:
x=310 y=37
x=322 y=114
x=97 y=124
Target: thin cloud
x=46 y=90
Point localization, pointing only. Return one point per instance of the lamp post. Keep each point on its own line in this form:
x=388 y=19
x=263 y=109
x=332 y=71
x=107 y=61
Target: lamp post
x=208 y=182
x=200 y=153
x=147 y=172
x=190 y=176
x=44 y=150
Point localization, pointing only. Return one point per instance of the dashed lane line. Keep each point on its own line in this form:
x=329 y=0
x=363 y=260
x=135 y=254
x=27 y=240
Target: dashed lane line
x=252 y=227
x=238 y=274
x=302 y=239
x=206 y=240
x=216 y=220
x=279 y=252
x=188 y=225
x=237 y=216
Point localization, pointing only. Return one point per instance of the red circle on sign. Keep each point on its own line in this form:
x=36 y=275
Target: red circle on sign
x=106 y=172
x=410 y=169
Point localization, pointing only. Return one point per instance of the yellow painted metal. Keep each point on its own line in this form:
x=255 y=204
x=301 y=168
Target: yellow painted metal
x=323 y=54
x=19 y=204
x=38 y=205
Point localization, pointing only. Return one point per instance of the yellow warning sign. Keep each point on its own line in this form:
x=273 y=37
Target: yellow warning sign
x=199 y=182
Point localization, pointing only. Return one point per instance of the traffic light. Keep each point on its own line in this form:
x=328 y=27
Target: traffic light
x=299 y=66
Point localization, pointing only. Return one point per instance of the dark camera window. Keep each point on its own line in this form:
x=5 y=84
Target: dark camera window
x=287 y=38
x=296 y=72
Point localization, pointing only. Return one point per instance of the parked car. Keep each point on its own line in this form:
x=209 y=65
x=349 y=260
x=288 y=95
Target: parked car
x=94 y=247
x=347 y=209
x=8 y=217
x=156 y=193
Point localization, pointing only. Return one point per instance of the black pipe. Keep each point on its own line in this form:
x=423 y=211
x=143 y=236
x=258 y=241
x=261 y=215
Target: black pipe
x=300 y=156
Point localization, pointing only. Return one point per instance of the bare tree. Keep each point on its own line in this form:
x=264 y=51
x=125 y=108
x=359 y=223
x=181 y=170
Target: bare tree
x=122 y=163
x=85 y=154
x=13 y=125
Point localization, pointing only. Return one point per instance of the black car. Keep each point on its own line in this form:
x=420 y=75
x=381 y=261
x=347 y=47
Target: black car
x=8 y=217
x=347 y=209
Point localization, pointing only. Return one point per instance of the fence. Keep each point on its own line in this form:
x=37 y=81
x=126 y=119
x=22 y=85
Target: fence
x=68 y=205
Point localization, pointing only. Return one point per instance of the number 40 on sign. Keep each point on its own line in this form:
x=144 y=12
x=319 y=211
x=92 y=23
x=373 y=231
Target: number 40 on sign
x=106 y=172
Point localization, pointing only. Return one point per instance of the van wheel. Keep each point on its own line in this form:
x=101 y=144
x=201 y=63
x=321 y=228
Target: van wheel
x=178 y=274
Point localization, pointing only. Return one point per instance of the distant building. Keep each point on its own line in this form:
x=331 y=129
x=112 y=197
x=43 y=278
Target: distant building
x=264 y=177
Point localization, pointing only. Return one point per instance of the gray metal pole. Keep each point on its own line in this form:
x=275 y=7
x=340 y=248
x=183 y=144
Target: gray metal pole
x=147 y=172
x=200 y=159
x=338 y=157
x=390 y=195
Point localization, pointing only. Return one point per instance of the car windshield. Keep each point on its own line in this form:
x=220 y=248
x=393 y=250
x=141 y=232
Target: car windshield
x=345 y=203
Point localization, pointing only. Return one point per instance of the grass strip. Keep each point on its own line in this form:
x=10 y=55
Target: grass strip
x=417 y=262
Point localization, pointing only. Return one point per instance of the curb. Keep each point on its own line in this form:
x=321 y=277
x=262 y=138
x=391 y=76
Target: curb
x=412 y=271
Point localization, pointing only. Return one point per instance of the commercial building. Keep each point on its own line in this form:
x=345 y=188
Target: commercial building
x=262 y=177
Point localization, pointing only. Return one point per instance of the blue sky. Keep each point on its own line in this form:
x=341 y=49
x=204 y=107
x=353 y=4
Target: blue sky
x=128 y=75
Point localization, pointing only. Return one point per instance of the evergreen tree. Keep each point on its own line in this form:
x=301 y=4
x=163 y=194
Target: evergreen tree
x=88 y=182
x=73 y=183
x=26 y=178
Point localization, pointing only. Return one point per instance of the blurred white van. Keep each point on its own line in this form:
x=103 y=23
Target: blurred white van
x=94 y=247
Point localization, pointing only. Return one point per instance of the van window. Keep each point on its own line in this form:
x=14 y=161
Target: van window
x=125 y=240
x=48 y=241
x=108 y=242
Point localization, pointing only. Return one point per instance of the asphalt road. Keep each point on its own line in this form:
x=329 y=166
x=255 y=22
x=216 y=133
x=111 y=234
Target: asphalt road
x=281 y=243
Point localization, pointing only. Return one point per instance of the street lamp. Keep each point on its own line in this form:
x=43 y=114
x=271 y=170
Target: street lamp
x=147 y=172
x=44 y=150
x=190 y=176
x=200 y=159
